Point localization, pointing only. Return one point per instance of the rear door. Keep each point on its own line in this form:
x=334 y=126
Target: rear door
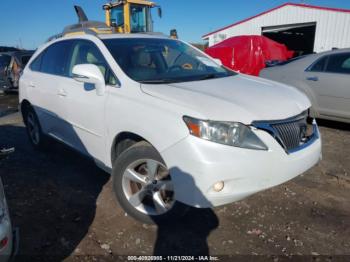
x=84 y=109
x=46 y=78
x=332 y=85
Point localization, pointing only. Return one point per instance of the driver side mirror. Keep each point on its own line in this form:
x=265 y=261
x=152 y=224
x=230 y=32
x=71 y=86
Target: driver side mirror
x=90 y=74
x=160 y=12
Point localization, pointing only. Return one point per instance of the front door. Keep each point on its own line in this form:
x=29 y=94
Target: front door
x=84 y=109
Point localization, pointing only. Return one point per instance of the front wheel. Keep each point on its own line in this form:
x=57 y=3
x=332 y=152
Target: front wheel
x=143 y=185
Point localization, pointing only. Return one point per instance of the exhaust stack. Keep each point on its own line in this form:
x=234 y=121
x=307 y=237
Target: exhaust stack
x=81 y=14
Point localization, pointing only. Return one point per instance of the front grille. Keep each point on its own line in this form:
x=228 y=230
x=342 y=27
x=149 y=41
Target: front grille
x=290 y=133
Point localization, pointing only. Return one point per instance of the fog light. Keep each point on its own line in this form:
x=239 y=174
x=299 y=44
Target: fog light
x=219 y=186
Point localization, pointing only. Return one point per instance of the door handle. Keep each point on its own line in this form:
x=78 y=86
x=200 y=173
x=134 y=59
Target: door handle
x=312 y=78
x=62 y=93
x=31 y=84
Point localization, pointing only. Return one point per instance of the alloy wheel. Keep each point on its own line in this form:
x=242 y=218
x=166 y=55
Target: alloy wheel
x=148 y=187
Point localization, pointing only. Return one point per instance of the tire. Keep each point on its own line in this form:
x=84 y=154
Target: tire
x=143 y=186
x=34 y=131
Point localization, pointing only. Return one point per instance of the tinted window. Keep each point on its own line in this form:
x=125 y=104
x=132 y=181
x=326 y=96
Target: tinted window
x=5 y=60
x=55 y=59
x=339 y=63
x=36 y=64
x=117 y=15
x=85 y=52
x=319 y=65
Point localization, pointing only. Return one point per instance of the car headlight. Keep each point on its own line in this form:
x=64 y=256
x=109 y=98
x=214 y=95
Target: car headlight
x=227 y=133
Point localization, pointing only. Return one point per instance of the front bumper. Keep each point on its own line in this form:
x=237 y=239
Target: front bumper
x=196 y=165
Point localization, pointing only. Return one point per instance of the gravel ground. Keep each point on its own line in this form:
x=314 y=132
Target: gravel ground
x=64 y=207
x=8 y=103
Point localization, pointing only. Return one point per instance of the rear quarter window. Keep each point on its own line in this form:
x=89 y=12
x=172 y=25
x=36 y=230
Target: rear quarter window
x=36 y=64
x=319 y=65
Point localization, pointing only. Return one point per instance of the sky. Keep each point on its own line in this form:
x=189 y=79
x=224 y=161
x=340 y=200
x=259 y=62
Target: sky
x=28 y=23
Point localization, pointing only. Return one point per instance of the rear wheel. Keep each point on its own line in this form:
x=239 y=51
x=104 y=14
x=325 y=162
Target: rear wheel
x=35 y=134
x=143 y=185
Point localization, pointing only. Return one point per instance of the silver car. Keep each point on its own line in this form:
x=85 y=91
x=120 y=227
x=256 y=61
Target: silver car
x=7 y=238
x=323 y=77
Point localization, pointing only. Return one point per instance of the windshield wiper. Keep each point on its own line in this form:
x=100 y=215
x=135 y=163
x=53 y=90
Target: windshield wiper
x=187 y=79
x=208 y=76
x=159 y=81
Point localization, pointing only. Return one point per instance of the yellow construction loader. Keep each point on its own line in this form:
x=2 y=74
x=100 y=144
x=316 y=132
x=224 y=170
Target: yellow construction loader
x=122 y=16
x=130 y=16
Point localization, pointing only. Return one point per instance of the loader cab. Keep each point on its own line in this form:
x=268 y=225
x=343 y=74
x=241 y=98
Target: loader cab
x=131 y=16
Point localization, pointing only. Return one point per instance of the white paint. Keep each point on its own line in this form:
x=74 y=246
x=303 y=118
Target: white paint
x=90 y=122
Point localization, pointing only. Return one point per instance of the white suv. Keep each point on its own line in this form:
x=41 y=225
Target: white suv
x=170 y=124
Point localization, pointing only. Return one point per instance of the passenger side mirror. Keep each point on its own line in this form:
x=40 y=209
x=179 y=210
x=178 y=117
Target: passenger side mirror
x=160 y=13
x=91 y=74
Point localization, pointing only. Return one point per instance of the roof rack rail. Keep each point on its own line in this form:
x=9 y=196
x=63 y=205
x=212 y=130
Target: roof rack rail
x=89 y=28
x=84 y=26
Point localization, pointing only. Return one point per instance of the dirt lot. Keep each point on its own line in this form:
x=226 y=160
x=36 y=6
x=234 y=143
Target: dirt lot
x=8 y=103
x=64 y=207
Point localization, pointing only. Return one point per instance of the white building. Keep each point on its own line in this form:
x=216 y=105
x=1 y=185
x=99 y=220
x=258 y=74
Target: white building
x=301 y=27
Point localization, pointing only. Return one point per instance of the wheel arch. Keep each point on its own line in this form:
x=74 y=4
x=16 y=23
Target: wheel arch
x=25 y=104
x=123 y=141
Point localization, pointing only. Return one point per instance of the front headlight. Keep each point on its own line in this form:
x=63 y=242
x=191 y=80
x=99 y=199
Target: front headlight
x=227 y=133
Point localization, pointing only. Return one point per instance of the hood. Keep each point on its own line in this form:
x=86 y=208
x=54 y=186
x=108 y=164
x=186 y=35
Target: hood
x=239 y=98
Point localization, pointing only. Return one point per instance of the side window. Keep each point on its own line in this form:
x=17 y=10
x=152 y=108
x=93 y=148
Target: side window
x=36 y=64
x=55 y=59
x=85 y=52
x=319 y=65
x=339 y=63
x=117 y=16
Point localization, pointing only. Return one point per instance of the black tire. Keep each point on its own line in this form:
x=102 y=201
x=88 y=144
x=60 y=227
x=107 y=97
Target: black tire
x=140 y=151
x=30 y=118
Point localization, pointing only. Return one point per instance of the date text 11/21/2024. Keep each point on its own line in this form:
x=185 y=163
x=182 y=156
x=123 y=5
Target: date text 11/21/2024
x=173 y=258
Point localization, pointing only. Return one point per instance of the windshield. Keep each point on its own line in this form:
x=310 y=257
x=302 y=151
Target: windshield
x=5 y=60
x=163 y=60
